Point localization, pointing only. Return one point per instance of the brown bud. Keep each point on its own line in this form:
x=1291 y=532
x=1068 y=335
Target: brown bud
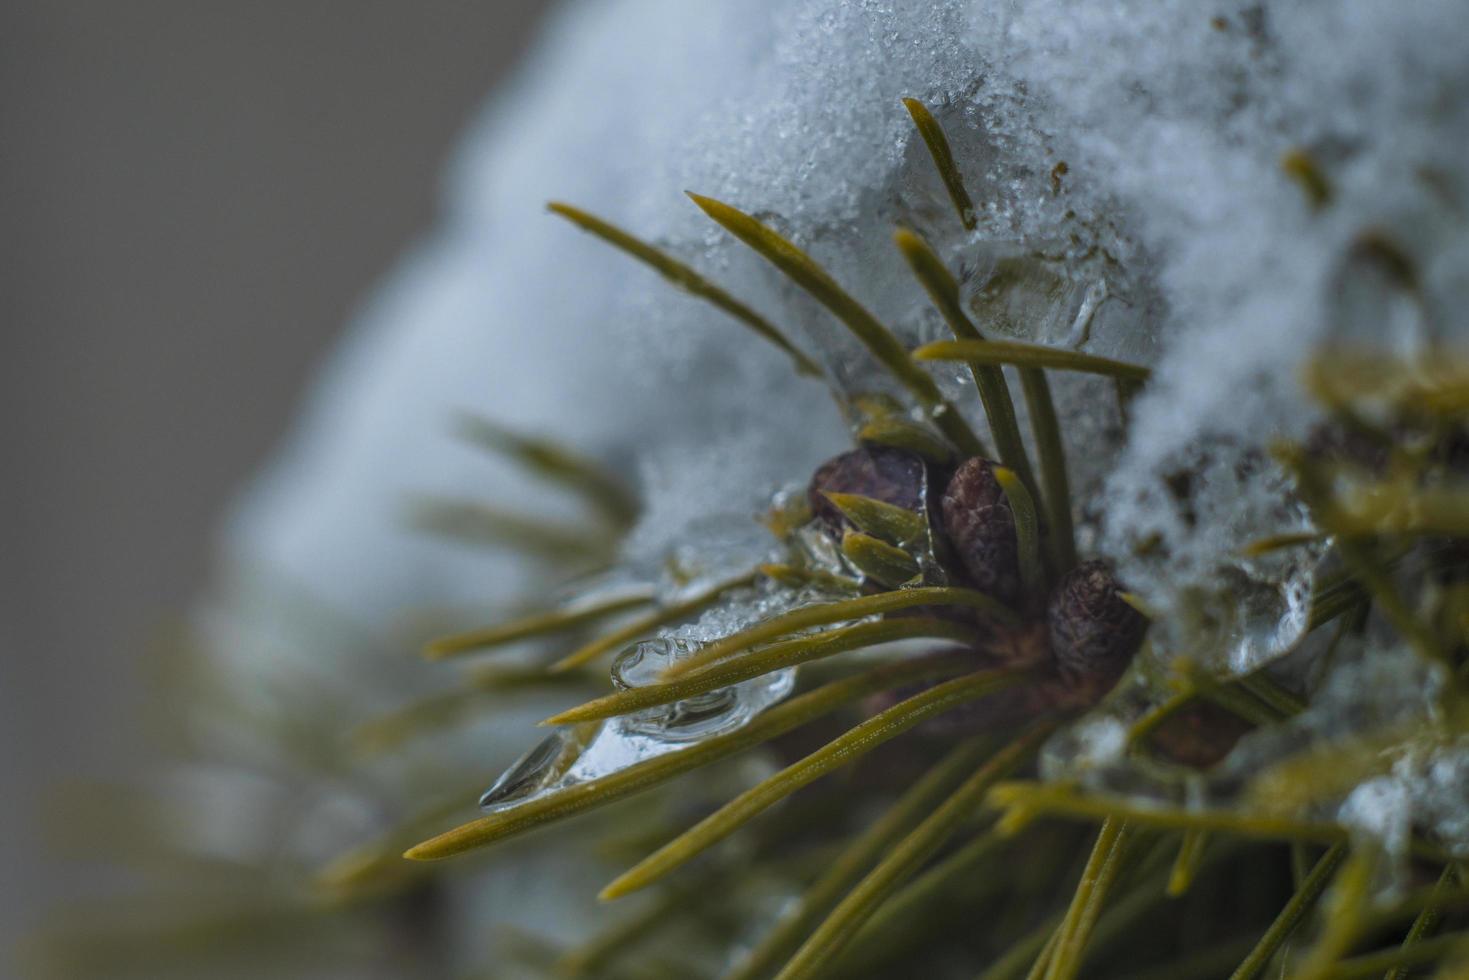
x=981 y=528
x=1199 y=734
x=889 y=475
x=1094 y=633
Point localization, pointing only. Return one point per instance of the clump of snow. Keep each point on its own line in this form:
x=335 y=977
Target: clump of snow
x=1182 y=114
x=1171 y=221
x=1125 y=159
x=1377 y=732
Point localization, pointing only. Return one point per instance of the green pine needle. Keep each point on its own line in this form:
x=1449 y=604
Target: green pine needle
x=1076 y=927
x=1427 y=921
x=845 y=749
x=840 y=611
x=533 y=626
x=687 y=279
x=1186 y=865
x=1345 y=908
x=1025 y=801
x=483 y=525
x=1027 y=530
x=1029 y=355
x=989 y=380
x=1359 y=558
x=879 y=561
x=757 y=663
x=900 y=433
x=1451 y=949
x=888 y=522
x=1051 y=452
x=859 y=855
x=440 y=711
x=1300 y=903
x=662 y=616
x=959 y=876
x=943 y=159
x=603 y=490
x=804 y=271
x=572 y=800
x=904 y=859
x=1279 y=542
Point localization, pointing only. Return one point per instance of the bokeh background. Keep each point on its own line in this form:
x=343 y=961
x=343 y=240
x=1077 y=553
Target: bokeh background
x=194 y=196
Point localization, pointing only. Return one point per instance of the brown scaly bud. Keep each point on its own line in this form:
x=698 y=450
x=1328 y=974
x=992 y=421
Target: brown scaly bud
x=1199 y=735
x=1094 y=632
x=889 y=475
x=981 y=528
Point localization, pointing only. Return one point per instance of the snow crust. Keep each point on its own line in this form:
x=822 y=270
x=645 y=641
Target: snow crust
x=1172 y=236
x=1171 y=118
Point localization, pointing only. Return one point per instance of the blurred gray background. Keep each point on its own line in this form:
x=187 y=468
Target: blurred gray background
x=194 y=194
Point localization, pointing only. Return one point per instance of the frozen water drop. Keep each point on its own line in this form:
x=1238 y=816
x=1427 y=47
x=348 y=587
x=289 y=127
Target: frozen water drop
x=535 y=771
x=585 y=752
x=1021 y=294
x=1179 y=538
x=702 y=716
x=1091 y=301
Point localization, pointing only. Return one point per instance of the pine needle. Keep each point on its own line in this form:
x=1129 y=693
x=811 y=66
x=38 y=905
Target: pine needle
x=758 y=663
x=661 y=616
x=443 y=710
x=1346 y=906
x=1300 y=903
x=879 y=561
x=1024 y=801
x=1027 y=531
x=686 y=279
x=1051 y=452
x=1029 y=355
x=903 y=434
x=1282 y=702
x=802 y=270
x=889 y=522
x=843 y=750
x=856 y=858
x=1043 y=959
x=957 y=876
x=1301 y=167
x=1428 y=951
x=1427 y=921
x=841 y=611
x=1359 y=558
x=1155 y=716
x=593 y=957
x=1086 y=905
x=533 y=626
x=1186 y=865
x=1279 y=542
x=603 y=490
x=906 y=858
x=943 y=159
x=377 y=865
x=1034 y=948
x=989 y=380
x=473 y=523
x=569 y=801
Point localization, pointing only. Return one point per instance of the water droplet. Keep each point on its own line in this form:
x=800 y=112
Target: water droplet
x=1022 y=293
x=702 y=716
x=535 y=771
x=585 y=752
